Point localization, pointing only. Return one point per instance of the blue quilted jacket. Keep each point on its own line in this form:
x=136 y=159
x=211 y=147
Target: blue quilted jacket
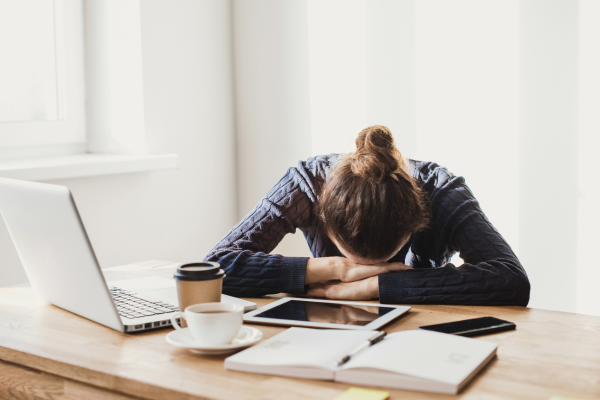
x=491 y=274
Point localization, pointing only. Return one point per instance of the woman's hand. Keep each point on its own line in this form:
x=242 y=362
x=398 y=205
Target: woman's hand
x=356 y=272
x=366 y=289
x=341 y=269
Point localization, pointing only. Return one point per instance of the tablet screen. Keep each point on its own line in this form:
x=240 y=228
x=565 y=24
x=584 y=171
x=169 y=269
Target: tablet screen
x=345 y=314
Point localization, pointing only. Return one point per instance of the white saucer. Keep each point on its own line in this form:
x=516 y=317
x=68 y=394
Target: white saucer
x=183 y=338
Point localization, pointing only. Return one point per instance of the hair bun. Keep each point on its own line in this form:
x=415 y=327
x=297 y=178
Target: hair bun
x=376 y=155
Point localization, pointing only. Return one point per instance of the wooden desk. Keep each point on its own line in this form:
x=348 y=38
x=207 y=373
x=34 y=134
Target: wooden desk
x=48 y=353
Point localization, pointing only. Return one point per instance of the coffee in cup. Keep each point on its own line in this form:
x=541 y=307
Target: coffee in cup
x=212 y=324
x=199 y=282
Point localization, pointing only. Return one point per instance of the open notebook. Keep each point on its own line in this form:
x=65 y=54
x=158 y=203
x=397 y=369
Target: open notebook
x=413 y=360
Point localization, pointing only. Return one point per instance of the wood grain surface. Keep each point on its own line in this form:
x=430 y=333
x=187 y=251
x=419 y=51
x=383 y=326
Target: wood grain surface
x=49 y=353
x=22 y=383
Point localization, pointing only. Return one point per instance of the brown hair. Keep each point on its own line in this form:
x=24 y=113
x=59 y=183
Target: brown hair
x=370 y=203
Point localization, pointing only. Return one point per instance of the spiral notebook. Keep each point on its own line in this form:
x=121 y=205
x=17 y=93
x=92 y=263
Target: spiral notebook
x=412 y=360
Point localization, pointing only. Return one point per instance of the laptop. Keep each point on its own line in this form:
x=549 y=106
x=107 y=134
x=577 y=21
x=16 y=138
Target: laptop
x=61 y=265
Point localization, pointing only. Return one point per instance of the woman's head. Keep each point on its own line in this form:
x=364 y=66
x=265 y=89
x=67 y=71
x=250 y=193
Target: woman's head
x=370 y=205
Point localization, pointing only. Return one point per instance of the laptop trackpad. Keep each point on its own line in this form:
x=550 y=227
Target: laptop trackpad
x=143 y=284
x=151 y=288
x=167 y=295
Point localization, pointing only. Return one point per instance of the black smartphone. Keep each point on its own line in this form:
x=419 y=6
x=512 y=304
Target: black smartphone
x=472 y=327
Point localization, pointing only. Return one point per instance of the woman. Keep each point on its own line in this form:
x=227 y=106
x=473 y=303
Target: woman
x=378 y=226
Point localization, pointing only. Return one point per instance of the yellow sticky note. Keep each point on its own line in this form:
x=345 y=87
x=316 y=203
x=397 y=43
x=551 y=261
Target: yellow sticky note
x=362 y=394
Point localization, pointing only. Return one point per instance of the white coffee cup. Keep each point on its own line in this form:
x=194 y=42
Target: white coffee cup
x=212 y=324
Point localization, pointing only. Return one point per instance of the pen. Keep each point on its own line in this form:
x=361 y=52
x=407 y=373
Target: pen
x=375 y=339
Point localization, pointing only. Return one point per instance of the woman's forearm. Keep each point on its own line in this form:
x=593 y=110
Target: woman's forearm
x=365 y=289
x=323 y=269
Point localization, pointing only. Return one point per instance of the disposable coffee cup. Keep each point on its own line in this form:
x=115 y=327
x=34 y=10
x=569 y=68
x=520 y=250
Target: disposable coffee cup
x=198 y=283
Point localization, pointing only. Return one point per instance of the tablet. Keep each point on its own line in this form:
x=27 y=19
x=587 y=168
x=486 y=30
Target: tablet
x=334 y=314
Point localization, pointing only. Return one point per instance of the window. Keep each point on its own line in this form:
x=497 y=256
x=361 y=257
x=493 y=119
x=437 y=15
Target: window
x=41 y=76
x=71 y=90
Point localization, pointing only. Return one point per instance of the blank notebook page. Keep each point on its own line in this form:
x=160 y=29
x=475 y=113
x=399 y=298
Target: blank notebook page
x=303 y=347
x=429 y=355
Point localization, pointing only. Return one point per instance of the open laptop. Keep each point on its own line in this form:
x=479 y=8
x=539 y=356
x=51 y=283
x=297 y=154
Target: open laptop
x=61 y=265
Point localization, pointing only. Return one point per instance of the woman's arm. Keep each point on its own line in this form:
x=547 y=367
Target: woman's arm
x=324 y=269
x=243 y=252
x=491 y=274
x=365 y=289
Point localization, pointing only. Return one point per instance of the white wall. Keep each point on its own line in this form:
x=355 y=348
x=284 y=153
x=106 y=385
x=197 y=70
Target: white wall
x=178 y=214
x=588 y=272
x=548 y=197
x=306 y=83
x=272 y=99
x=391 y=69
x=467 y=99
x=487 y=89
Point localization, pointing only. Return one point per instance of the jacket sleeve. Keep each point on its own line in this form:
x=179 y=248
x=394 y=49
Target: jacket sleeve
x=491 y=274
x=244 y=252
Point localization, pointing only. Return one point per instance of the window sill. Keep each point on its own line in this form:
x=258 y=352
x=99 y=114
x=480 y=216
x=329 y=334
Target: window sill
x=85 y=165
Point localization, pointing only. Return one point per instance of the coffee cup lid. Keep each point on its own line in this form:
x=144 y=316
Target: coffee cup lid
x=199 y=271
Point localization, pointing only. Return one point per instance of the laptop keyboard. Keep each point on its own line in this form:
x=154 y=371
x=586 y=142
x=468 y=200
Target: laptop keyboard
x=130 y=306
